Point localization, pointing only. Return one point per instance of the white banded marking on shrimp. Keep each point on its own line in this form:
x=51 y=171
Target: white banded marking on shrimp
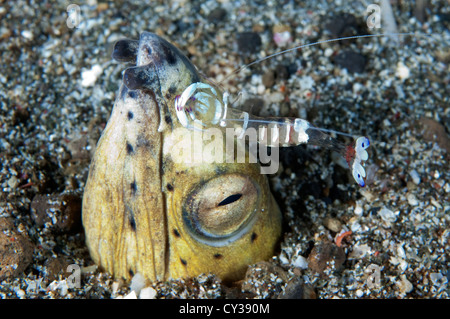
x=203 y=105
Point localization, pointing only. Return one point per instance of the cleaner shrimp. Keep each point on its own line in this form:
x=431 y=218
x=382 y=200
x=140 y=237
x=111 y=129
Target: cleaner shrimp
x=203 y=105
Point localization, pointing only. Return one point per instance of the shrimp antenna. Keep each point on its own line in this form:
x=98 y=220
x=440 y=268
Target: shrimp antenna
x=312 y=44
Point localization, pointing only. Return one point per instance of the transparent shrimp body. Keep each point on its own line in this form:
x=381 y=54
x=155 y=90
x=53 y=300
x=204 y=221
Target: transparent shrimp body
x=202 y=106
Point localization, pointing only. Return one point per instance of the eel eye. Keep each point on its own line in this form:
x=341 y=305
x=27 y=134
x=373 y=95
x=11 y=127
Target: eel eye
x=221 y=210
x=230 y=199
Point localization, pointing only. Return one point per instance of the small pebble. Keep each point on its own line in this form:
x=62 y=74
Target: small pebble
x=147 y=293
x=13 y=182
x=253 y=105
x=102 y=6
x=61 y=211
x=433 y=131
x=248 y=42
x=342 y=24
x=412 y=200
x=268 y=78
x=333 y=224
x=415 y=176
x=357 y=88
x=20 y=293
x=16 y=251
x=300 y=262
x=282 y=39
x=402 y=71
x=404 y=285
x=297 y=289
x=306 y=82
x=435 y=203
x=438 y=279
x=131 y=295
x=324 y=255
x=137 y=283
x=387 y=215
x=359 y=251
x=282 y=33
x=115 y=287
x=358 y=210
x=217 y=15
x=55 y=267
x=353 y=61
x=27 y=34
x=90 y=76
x=447 y=187
x=328 y=52
x=276 y=97
x=262 y=275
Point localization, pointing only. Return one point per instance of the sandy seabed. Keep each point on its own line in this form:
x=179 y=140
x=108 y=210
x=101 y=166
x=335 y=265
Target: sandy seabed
x=390 y=239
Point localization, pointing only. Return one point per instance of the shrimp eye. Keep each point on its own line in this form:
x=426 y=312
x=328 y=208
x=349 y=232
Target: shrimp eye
x=359 y=180
x=363 y=142
x=359 y=173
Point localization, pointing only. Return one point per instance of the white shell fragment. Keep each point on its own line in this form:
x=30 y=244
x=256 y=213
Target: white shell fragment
x=415 y=176
x=412 y=200
x=402 y=71
x=89 y=77
x=438 y=279
x=404 y=285
x=300 y=262
x=387 y=215
x=131 y=295
x=137 y=283
x=147 y=293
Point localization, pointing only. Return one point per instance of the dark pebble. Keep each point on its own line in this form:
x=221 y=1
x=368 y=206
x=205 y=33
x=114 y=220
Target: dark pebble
x=66 y=208
x=268 y=78
x=353 y=61
x=324 y=255
x=444 y=18
x=20 y=115
x=433 y=131
x=294 y=157
x=248 y=42
x=217 y=15
x=260 y=276
x=312 y=188
x=297 y=289
x=420 y=10
x=235 y=292
x=56 y=267
x=253 y=105
x=78 y=148
x=342 y=25
x=281 y=72
x=16 y=251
